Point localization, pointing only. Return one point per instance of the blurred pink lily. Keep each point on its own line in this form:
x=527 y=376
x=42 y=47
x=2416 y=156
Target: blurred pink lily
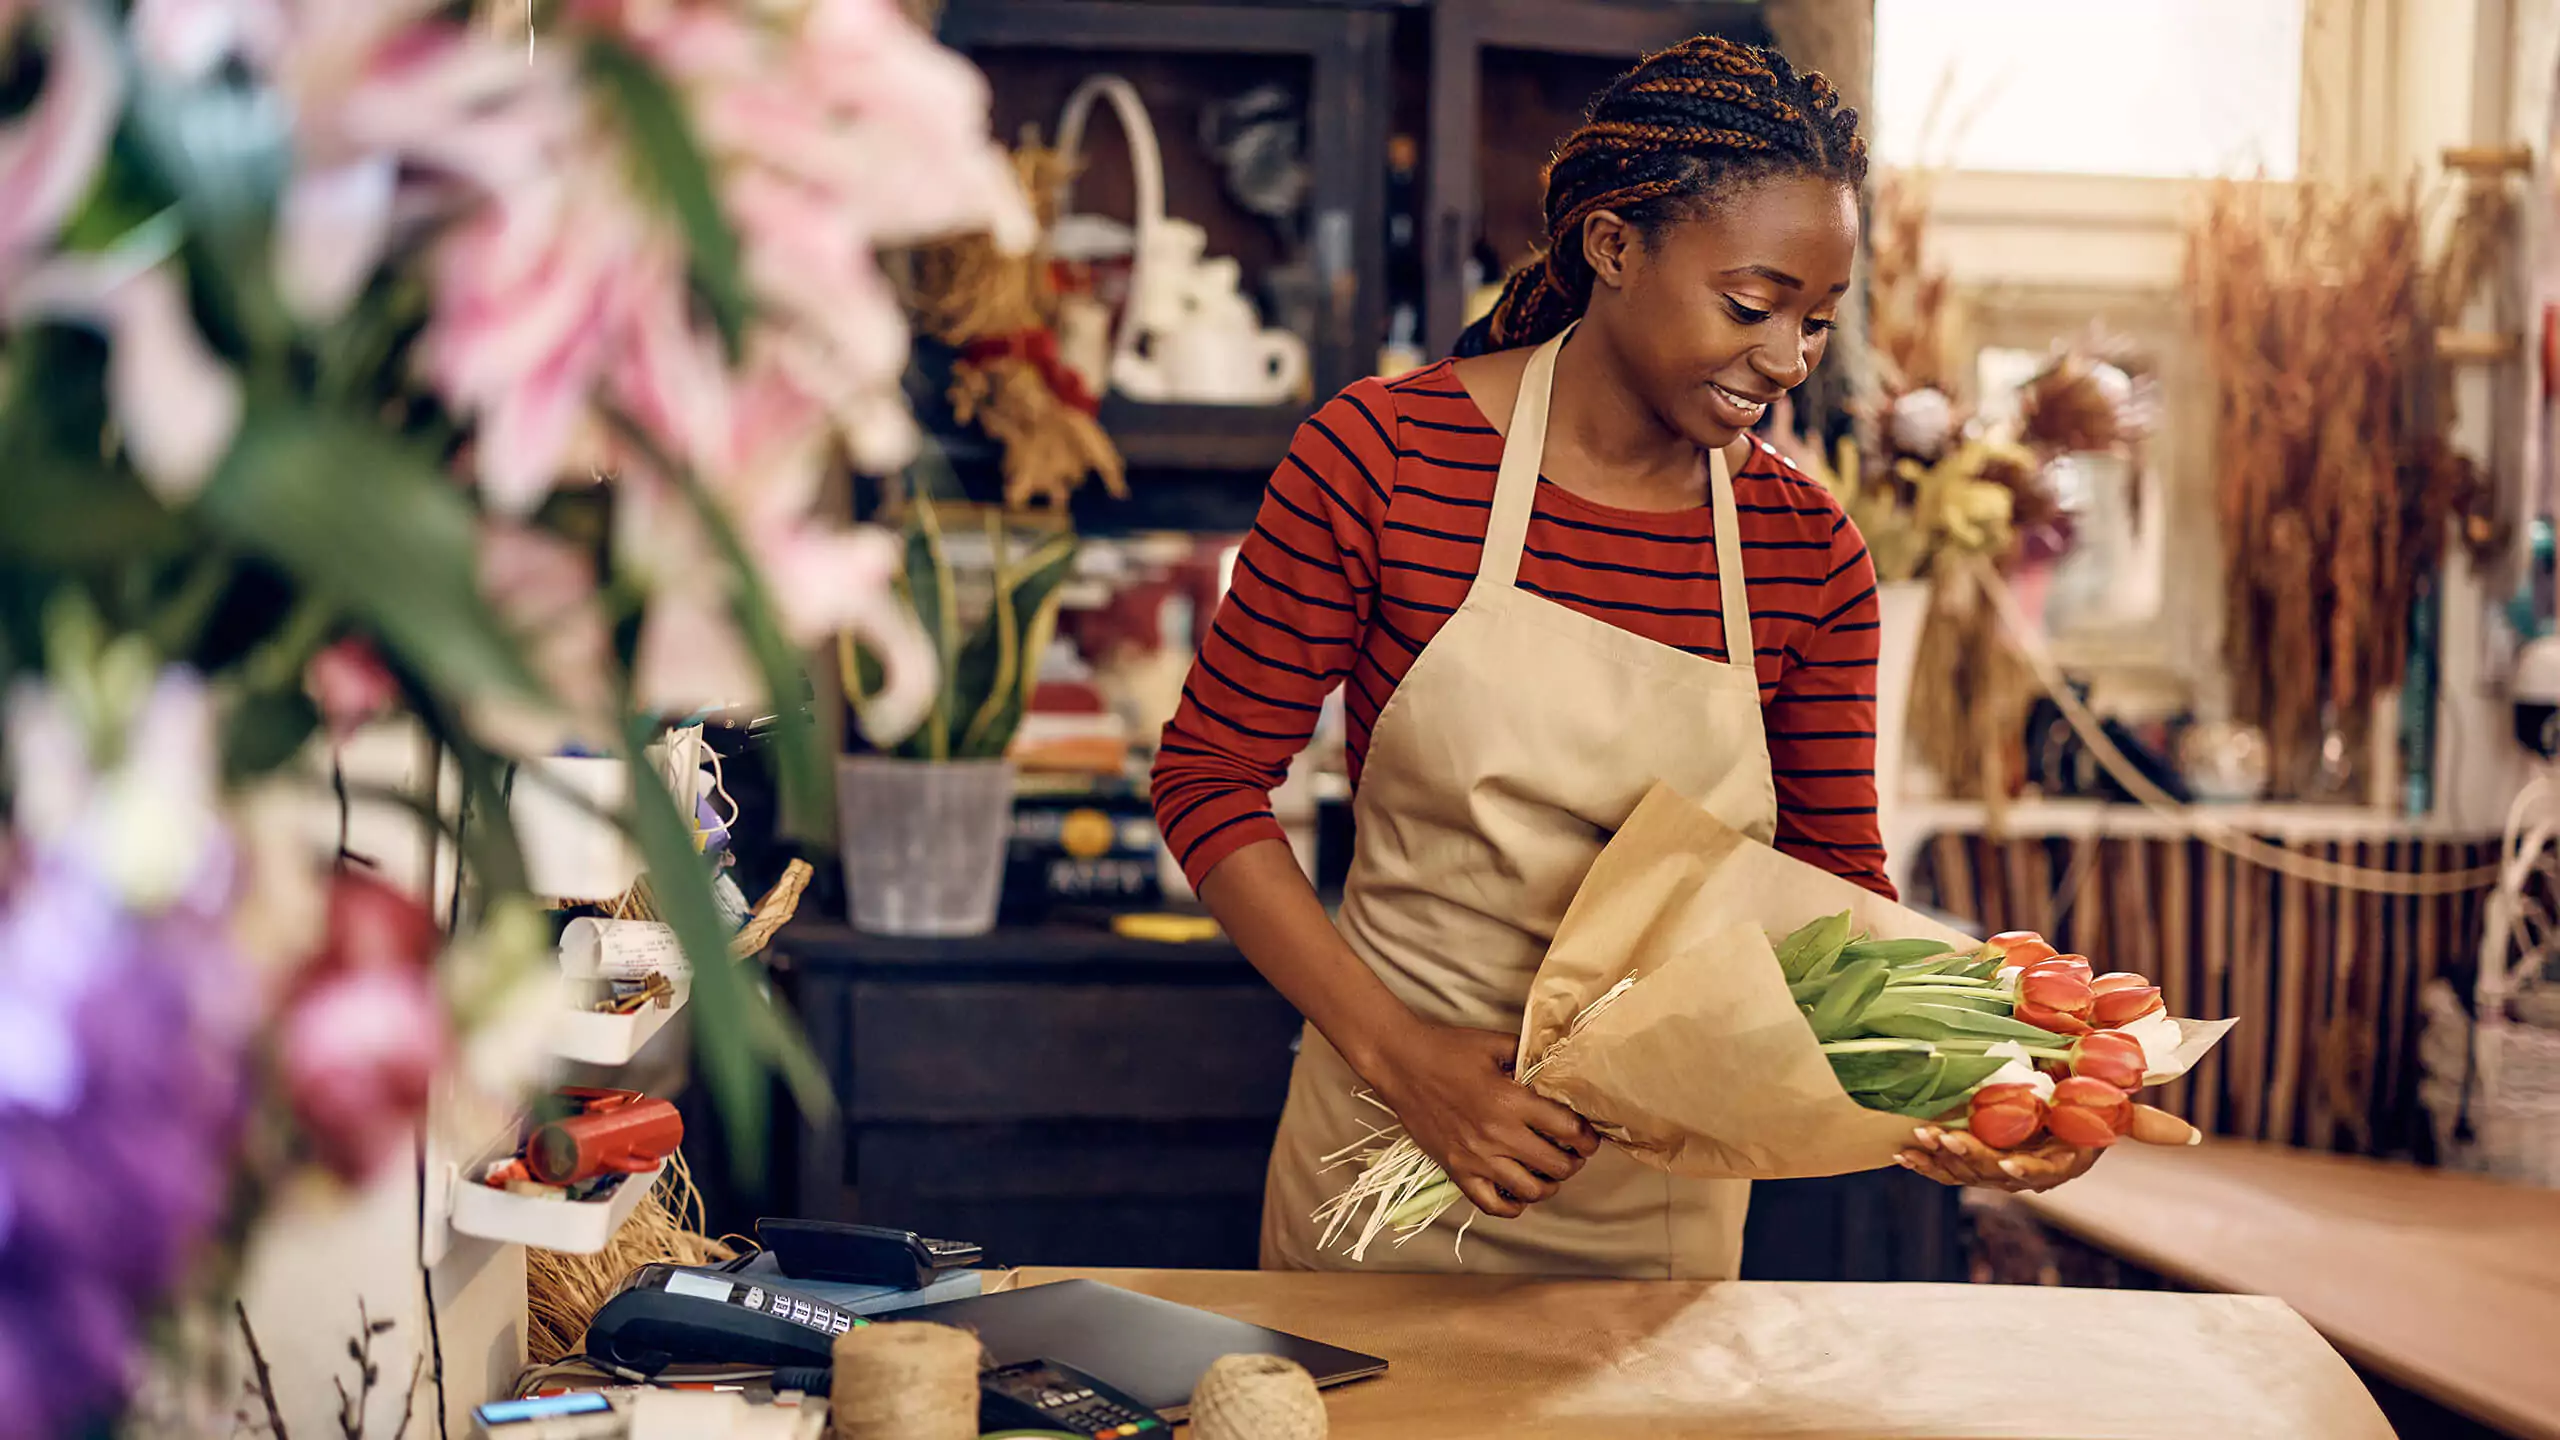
x=763 y=465
x=383 y=88
x=176 y=404
x=846 y=131
x=532 y=301
x=49 y=154
x=375 y=85
x=545 y=591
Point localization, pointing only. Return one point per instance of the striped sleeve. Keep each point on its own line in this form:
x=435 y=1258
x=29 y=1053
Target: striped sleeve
x=1304 y=588
x=1822 y=725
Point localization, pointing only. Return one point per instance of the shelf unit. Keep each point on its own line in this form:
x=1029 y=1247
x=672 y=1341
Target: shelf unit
x=1344 y=53
x=1438 y=70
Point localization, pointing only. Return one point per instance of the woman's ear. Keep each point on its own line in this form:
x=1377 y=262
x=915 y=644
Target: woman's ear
x=1608 y=242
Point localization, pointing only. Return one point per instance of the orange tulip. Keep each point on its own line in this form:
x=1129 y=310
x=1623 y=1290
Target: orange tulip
x=2056 y=990
x=2111 y=1008
x=2021 y=947
x=2106 y=1055
x=2045 y=1017
x=2005 y=1117
x=2088 y=1112
x=2074 y=965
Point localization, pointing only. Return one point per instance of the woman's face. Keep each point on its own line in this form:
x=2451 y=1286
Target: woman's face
x=1714 y=317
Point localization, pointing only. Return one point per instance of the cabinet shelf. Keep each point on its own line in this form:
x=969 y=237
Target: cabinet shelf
x=1201 y=437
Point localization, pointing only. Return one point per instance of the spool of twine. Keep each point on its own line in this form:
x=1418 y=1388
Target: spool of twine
x=1257 y=1397
x=905 y=1381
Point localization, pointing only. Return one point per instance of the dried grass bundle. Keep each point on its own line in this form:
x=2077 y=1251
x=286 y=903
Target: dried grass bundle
x=563 y=1292
x=2317 y=308
x=1970 y=694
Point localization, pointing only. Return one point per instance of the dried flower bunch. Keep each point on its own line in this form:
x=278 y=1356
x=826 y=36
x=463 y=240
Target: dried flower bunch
x=1936 y=480
x=996 y=305
x=2318 y=308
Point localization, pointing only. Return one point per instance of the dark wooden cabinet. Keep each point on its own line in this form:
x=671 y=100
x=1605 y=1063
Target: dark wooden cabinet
x=1055 y=1093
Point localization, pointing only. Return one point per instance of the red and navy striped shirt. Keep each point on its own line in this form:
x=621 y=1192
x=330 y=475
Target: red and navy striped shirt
x=1368 y=539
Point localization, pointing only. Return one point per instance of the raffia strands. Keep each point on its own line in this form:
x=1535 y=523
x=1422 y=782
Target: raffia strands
x=2317 y=307
x=563 y=1292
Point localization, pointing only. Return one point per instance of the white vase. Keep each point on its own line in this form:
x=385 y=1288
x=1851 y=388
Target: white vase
x=923 y=843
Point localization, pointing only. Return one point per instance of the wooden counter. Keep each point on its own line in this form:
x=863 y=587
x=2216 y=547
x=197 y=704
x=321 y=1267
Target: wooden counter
x=2445 y=1283
x=1473 y=1358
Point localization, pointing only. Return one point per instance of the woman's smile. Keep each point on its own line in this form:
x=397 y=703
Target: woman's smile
x=1736 y=409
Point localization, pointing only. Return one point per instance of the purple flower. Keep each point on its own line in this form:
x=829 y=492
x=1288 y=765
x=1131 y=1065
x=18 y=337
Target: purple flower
x=122 y=1046
x=107 y=1197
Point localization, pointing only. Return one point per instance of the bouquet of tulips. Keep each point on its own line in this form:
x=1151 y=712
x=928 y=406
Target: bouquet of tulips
x=1669 y=1015
x=2010 y=1040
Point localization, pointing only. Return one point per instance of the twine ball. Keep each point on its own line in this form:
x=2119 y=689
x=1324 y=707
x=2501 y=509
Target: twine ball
x=905 y=1381
x=1257 y=1397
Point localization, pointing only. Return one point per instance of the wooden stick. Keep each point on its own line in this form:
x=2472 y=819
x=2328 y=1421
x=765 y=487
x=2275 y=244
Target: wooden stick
x=2476 y=347
x=2489 y=159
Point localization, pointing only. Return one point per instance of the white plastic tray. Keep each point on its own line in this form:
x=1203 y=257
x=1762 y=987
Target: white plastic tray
x=596 y=1039
x=572 y=1227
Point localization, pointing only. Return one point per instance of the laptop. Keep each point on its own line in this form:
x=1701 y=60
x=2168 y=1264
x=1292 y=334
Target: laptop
x=1154 y=1350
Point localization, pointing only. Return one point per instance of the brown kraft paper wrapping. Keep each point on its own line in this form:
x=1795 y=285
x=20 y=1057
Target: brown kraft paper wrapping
x=1704 y=1067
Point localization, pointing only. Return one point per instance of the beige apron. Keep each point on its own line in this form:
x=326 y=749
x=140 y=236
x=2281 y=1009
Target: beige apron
x=1521 y=739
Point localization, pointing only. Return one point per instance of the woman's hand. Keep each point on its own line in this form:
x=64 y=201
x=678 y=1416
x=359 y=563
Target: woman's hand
x=1505 y=1146
x=1952 y=1157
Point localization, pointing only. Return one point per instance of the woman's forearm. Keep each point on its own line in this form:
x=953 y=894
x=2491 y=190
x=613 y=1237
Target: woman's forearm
x=1262 y=899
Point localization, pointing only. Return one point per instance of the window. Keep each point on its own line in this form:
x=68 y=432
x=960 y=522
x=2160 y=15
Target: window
x=2169 y=88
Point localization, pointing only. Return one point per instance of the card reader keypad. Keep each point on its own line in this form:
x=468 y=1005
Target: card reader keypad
x=825 y=1319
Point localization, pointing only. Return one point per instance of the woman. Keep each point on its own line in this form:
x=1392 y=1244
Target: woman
x=1528 y=653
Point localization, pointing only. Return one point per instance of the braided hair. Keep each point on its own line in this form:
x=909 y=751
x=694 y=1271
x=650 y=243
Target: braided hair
x=1683 y=126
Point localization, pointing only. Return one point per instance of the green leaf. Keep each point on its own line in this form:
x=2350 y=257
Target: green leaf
x=1874 y=1072
x=126 y=196
x=1810 y=952
x=69 y=506
x=739 y=1033
x=672 y=167
x=1911 y=1087
x=988 y=664
x=1929 y=1020
x=1852 y=990
x=373 y=525
x=934 y=597
x=678 y=883
x=1896 y=953
x=1026 y=607
x=1961 y=1075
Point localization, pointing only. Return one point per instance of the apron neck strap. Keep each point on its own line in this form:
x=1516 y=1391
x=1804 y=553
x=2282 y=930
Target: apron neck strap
x=1515 y=485
x=1739 y=647
x=1515 y=496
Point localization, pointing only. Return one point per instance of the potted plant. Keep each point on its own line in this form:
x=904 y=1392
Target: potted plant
x=925 y=815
